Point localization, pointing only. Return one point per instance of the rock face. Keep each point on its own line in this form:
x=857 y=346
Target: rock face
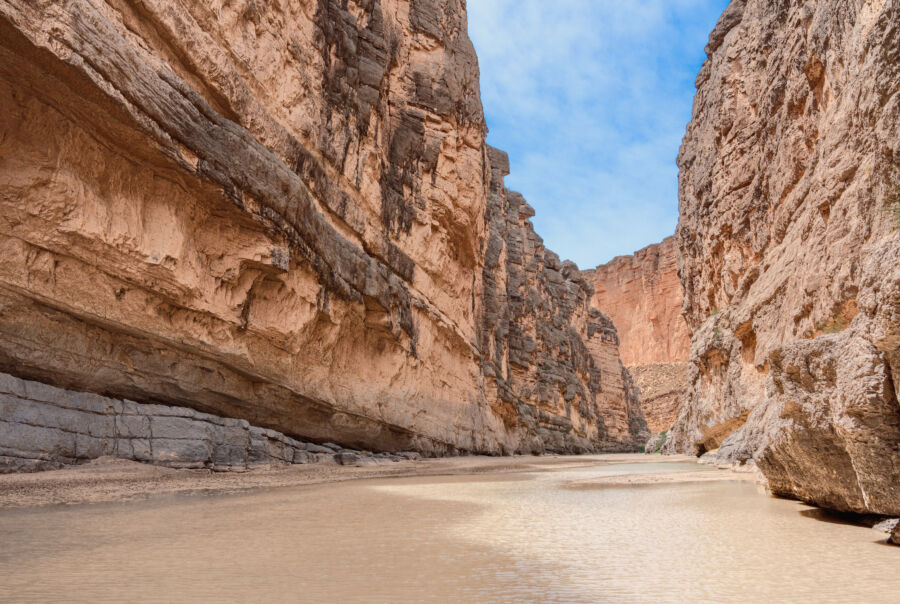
x=790 y=263
x=285 y=213
x=551 y=361
x=661 y=389
x=642 y=295
x=42 y=428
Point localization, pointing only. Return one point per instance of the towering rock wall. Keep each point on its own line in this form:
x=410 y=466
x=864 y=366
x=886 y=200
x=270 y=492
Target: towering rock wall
x=551 y=361
x=790 y=259
x=642 y=295
x=280 y=212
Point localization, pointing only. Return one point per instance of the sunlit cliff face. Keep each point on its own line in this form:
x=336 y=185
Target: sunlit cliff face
x=285 y=214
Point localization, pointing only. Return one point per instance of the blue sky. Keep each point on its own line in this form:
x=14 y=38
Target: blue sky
x=590 y=98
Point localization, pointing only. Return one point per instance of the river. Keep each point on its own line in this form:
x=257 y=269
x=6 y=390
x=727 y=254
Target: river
x=524 y=537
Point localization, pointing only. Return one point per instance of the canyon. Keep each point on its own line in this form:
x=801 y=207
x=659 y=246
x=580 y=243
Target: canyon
x=641 y=293
x=235 y=233
x=286 y=215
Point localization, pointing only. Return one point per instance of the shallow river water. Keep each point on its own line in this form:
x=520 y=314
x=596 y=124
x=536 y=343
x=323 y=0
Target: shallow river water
x=489 y=538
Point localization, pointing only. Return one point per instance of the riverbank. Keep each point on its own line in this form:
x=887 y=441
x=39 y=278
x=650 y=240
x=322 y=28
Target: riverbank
x=111 y=480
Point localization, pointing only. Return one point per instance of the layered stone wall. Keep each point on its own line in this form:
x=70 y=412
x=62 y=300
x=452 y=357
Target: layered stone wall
x=642 y=295
x=43 y=428
x=551 y=360
x=278 y=213
x=790 y=254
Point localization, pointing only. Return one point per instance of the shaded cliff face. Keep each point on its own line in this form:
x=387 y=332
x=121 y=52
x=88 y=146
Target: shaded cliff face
x=642 y=296
x=790 y=263
x=551 y=361
x=273 y=212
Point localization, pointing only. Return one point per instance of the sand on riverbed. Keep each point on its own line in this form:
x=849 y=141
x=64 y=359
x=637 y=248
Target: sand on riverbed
x=661 y=478
x=109 y=479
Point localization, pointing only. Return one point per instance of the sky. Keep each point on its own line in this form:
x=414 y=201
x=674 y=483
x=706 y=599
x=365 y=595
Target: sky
x=590 y=98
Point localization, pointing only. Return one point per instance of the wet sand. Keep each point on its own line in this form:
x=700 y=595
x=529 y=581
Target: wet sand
x=706 y=475
x=111 y=480
x=499 y=530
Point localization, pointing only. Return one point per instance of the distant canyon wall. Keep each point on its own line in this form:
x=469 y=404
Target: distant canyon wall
x=790 y=252
x=642 y=295
x=286 y=213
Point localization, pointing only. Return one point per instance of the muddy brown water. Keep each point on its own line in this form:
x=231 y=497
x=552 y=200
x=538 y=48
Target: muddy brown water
x=488 y=538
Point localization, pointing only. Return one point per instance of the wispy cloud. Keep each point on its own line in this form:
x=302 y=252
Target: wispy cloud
x=591 y=98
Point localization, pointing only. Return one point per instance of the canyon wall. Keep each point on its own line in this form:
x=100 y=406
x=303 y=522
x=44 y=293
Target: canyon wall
x=642 y=295
x=790 y=255
x=286 y=213
x=47 y=428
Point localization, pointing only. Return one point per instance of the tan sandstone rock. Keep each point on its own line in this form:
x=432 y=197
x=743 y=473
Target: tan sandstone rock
x=642 y=295
x=790 y=261
x=280 y=212
x=661 y=389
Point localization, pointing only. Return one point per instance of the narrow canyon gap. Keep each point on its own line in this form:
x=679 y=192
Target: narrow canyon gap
x=287 y=214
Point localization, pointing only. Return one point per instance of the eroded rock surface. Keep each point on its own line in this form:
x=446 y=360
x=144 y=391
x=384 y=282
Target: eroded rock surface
x=551 y=361
x=642 y=295
x=661 y=389
x=790 y=263
x=43 y=428
x=284 y=213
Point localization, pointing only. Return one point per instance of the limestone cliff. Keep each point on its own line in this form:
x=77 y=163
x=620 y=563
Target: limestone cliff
x=790 y=259
x=285 y=213
x=551 y=361
x=642 y=295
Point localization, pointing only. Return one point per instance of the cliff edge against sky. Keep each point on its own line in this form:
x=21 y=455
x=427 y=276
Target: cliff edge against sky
x=286 y=213
x=790 y=260
x=641 y=293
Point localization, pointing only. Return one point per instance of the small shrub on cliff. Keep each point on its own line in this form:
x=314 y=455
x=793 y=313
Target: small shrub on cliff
x=832 y=325
x=661 y=441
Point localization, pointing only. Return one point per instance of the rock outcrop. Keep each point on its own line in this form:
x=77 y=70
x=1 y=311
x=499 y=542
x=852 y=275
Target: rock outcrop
x=551 y=361
x=790 y=261
x=661 y=389
x=642 y=296
x=44 y=428
x=285 y=213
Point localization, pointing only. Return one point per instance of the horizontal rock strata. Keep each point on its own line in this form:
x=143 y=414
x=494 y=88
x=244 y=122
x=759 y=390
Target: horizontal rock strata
x=642 y=295
x=284 y=213
x=551 y=360
x=661 y=389
x=43 y=427
x=790 y=254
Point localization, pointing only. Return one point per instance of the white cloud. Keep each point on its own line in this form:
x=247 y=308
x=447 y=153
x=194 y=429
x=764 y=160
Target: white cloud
x=590 y=98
